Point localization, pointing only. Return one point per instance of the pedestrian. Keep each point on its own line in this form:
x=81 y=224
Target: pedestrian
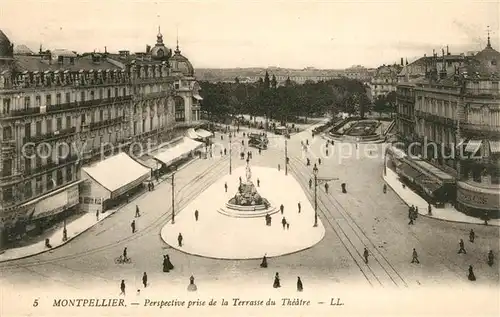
x=258 y=182
x=283 y=222
x=308 y=162
x=486 y=218
x=243 y=142
x=97 y=215
x=192 y=286
x=343 y=186
x=137 y=213
x=491 y=257
x=287 y=226
x=221 y=152
x=416 y=212
x=263 y=264
x=298 y=205
x=225 y=186
x=196 y=214
x=319 y=161
x=276 y=283
x=472 y=236
x=326 y=152
x=179 y=239
x=260 y=151
x=326 y=188
x=310 y=183
x=415 y=257
x=429 y=210
x=221 y=137
x=462 y=249
x=132 y=225
x=279 y=167
x=365 y=255
x=300 y=287
x=384 y=188
x=282 y=208
x=471 y=276
x=125 y=254
x=225 y=151
x=145 y=280
x=122 y=288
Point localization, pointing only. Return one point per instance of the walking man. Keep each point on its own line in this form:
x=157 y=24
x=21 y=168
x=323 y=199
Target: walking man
x=179 y=239
x=122 y=288
x=97 y=215
x=196 y=214
x=462 y=249
x=414 y=256
x=132 y=225
x=137 y=213
x=283 y=222
x=310 y=183
x=326 y=188
x=365 y=255
x=282 y=208
x=319 y=161
x=279 y=167
x=287 y=226
x=472 y=235
x=429 y=210
x=298 y=205
x=225 y=151
x=145 y=280
x=225 y=186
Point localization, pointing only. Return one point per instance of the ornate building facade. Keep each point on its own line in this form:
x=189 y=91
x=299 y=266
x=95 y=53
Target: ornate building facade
x=451 y=103
x=384 y=80
x=60 y=110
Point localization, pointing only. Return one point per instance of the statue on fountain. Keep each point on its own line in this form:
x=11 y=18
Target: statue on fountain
x=247 y=194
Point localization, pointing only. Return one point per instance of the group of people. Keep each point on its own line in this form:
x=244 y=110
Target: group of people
x=191 y=286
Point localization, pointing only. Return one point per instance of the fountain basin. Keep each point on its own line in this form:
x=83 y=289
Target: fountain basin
x=255 y=211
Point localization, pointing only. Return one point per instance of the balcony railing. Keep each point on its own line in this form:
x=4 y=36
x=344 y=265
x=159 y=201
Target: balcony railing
x=105 y=123
x=49 y=136
x=482 y=93
x=51 y=165
x=479 y=127
x=67 y=106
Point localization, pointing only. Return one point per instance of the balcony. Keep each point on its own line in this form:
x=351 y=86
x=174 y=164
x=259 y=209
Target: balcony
x=50 y=136
x=105 y=123
x=51 y=165
x=478 y=127
x=482 y=93
x=153 y=80
x=66 y=107
x=151 y=95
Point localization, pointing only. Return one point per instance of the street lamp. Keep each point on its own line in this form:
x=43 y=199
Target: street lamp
x=286 y=156
x=230 y=153
x=315 y=172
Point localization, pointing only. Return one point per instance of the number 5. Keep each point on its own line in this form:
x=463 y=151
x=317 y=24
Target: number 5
x=35 y=303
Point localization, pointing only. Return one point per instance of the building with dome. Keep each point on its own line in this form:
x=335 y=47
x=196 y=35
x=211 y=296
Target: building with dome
x=77 y=109
x=449 y=120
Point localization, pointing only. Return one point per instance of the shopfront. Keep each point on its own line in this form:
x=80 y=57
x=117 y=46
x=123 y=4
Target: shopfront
x=108 y=182
x=476 y=201
x=172 y=156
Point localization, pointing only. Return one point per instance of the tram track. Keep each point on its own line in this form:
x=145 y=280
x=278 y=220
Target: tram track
x=379 y=271
x=195 y=186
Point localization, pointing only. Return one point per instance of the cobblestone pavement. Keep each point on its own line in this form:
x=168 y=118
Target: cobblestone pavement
x=363 y=217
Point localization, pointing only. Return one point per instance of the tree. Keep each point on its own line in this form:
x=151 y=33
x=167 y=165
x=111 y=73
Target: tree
x=380 y=105
x=274 y=83
x=236 y=80
x=266 y=81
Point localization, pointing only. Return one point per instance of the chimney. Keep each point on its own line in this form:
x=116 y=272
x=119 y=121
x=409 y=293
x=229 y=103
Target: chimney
x=105 y=50
x=148 y=49
x=447 y=50
x=402 y=61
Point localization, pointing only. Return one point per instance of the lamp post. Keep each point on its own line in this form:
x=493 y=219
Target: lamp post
x=315 y=172
x=286 y=156
x=173 y=198
x=230 y=153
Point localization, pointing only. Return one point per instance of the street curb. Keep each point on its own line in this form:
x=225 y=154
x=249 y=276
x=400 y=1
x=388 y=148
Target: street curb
x=347 y=141
x=235 y=259
x=435 y=218
x=86 y=229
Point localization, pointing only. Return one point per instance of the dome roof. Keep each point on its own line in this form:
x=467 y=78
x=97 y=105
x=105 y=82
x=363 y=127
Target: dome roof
x=161 y=52
x=181 y=64
x=484 y=63
x=6 y=47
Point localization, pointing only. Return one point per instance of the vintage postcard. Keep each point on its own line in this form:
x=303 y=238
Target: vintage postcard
x=249 y=158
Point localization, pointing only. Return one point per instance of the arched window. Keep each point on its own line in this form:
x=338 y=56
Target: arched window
x=180 y=111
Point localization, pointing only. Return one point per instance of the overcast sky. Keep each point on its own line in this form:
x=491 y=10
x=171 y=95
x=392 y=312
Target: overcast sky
x=261 y=33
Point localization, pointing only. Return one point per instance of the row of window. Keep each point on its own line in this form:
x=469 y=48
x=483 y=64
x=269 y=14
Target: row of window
x=68 y=98
x=40 y=184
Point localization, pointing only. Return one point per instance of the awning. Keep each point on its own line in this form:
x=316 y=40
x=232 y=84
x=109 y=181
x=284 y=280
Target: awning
x=190 y=133
x=148 y=162
x=171 y=155
x=427 y=184
x=56 y=202
x=473 y=146
x=197 y=97
x=407 y=171
x=203 y=133
x=118 y=173
x=494 y=146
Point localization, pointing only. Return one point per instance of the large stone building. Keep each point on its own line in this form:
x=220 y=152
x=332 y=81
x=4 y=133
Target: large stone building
x=60 y=110
x=384 y=80
x=451 y=103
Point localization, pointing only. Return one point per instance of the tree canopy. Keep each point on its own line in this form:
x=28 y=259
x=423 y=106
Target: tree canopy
x=284 y=102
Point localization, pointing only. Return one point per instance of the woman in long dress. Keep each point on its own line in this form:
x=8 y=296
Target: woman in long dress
x=169 y=264
x=165 y=264
x=276 y=283
x=192 y=286
x=264 y=262
x=471 y=276
x=300 y=287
